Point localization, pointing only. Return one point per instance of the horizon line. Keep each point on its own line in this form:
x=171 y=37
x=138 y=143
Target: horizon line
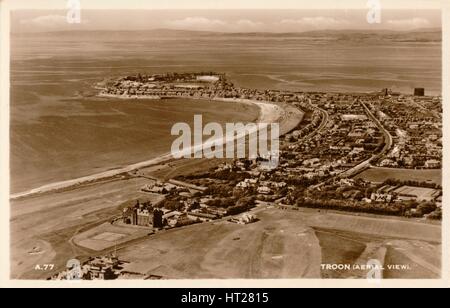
x=435 y=29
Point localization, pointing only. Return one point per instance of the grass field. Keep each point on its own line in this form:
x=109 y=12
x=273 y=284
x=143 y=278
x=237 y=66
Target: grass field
x=285 y=249
x=49 y=222
x=284 y=244
x=421 y=192
x=419 y=256
x=107 y=235
x=338 y=249
x=382 y=174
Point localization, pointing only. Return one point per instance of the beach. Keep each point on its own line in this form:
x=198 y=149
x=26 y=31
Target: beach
x=56 y=133
x=268 y=113
x=67 y=140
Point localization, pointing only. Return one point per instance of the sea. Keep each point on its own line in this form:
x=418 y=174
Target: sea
x=60 y=130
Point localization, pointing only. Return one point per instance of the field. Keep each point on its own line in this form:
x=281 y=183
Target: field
x=283 y=244
x=420 y=192
x=107 y=235
x=50 y=221
x=380 y=175
x=419 y=255
x=286 y=244
x=285 y=249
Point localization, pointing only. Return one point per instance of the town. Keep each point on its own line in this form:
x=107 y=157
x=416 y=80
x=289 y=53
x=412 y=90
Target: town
x=367 y=153
x=342 y=136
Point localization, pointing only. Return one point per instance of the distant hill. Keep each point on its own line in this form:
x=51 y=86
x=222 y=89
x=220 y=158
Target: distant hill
x=417 y=35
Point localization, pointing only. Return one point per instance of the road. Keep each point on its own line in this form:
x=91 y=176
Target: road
x=387 y=136
x=367 y=163
x=323 y=124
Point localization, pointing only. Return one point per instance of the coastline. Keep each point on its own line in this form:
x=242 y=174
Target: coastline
x=268 y=113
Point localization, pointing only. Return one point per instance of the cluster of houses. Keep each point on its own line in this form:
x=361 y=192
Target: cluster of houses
x=197 y=85
x=348 y=138
x=350 y=135
x=244 y=219
x=98 y=268
x=260 y=186
x=190 y=212
x=108 y=267
x=415 y=124
x=342 y=136
x=159 y=188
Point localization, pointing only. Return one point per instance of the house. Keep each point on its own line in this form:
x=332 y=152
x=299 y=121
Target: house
x=432 y=164
x=312 y=162
x=439 y=202
x=245 y=219
x=159 y=188
x=347 y=182
x=247 y=183
x=172 y=218
x=143 y=217
x=202 y=216
x=101 y=268
x=378 y=197
x=264 y=190
x=388 y=163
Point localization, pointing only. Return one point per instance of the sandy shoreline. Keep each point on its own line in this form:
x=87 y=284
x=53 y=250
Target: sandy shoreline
x=269 y=113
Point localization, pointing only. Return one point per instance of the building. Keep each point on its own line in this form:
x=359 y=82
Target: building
x=102 y=268
x=98 y=268
x=159 y=188
x=143 y=217
x=433 y=164
x=354 y=117
x=264 y=190
x=247 y=219
x=138 y=215
x=419 y=92
x=158 y=219
x=202 y=216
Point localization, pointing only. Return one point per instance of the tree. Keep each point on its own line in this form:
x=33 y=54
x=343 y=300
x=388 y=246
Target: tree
x=436 y=215
x=426 y=208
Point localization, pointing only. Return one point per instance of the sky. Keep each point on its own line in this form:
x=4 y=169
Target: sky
x=224 y=16
x=227 y=4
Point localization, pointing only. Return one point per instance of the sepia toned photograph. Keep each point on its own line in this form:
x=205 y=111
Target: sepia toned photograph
x=228 y=141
